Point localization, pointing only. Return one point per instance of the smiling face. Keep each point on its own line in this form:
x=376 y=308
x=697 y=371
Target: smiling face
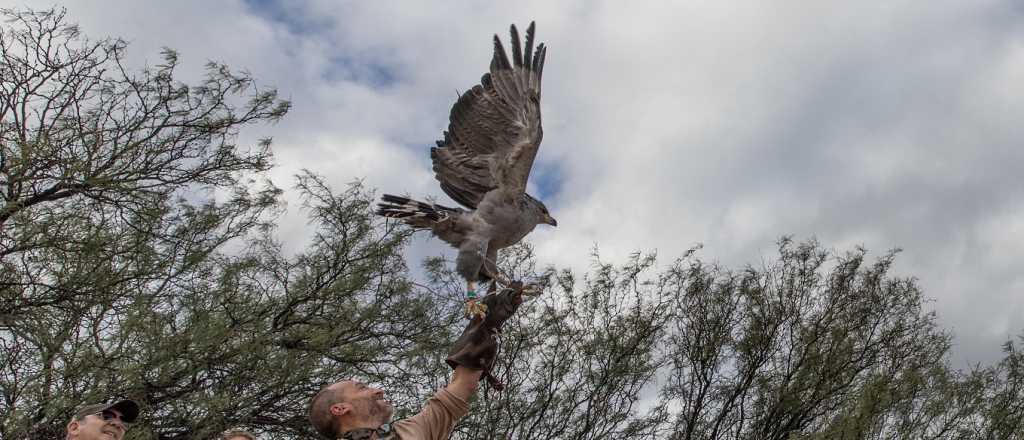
x=366 y=404
x=348 y=405
x=104 y=426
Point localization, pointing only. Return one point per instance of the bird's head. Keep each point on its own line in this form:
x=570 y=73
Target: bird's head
x=542 y=212
x=547 y=218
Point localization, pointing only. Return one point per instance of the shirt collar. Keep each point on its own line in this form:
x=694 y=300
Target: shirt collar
x=383 y=433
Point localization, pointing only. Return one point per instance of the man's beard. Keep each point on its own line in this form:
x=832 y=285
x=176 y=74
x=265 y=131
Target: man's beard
x=379 y=410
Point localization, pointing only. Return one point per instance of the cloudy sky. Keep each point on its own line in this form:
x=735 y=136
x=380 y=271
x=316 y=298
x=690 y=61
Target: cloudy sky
x=730 y=124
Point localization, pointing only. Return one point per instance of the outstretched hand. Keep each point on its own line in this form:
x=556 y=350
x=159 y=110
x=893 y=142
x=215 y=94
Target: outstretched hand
x=477 y=347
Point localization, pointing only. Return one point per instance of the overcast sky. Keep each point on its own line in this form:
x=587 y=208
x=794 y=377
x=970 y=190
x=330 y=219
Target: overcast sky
x=723 y=123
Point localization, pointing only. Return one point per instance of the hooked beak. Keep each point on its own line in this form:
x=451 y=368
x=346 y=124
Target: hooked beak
x=551 y=221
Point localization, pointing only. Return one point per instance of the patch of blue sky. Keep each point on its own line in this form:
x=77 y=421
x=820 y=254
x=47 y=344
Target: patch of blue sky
x=547 y=178
x=346 y=68
x=288 y=13
x=293 y=16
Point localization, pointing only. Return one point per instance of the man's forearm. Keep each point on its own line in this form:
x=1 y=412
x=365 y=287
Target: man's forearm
x=464 y=382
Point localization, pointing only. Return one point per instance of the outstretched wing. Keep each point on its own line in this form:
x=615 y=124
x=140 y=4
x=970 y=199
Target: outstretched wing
x=494 y=129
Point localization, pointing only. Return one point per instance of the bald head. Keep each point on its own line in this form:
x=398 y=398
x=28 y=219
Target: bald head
x=348 y=405
x=320 y=410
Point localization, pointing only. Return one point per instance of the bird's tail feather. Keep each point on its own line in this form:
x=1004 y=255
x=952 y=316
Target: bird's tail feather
x=415 y=213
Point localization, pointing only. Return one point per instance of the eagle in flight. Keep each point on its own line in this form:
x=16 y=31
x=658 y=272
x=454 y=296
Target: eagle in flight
x=483 y=163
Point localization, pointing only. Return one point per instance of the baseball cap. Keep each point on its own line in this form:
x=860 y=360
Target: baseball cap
x=128 y=408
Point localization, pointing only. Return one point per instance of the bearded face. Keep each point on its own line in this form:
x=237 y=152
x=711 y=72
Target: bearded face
x=374 y=408
x=368 y=403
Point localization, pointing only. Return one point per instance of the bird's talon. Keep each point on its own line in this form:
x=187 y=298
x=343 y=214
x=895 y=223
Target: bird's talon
x=475 y=309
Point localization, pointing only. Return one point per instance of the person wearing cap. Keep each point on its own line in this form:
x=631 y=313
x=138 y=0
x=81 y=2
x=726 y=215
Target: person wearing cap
x=238 y=434
x=352 y=410
x=102 y=421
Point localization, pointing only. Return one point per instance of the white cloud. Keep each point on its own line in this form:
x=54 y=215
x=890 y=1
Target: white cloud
x=894 y=124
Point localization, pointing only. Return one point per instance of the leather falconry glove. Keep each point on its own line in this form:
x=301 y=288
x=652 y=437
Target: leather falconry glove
x=477 y=348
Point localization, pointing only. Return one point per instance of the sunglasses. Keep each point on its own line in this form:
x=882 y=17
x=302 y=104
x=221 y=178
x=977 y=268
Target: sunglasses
x=110 y=415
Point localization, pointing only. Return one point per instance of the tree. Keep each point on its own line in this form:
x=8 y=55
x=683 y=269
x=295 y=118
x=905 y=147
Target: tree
x=138 y=258
x=96 y=163
x=796 y=348
x=815 y=344
x=1001 y=412
x=93 y=157
x=577 y=360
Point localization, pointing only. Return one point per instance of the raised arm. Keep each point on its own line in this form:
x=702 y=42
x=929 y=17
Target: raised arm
x=477 y=348
x=464 y=382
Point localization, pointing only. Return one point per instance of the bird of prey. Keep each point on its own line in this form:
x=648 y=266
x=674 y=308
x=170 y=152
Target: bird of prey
x=483 y=163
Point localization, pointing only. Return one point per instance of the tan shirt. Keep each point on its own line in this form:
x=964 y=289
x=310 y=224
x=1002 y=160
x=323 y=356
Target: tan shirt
x=436 y=420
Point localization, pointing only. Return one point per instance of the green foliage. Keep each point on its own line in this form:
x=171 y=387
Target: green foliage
x=1002 y=408
x=576 y=360
x=139 y=258
x=795 y=347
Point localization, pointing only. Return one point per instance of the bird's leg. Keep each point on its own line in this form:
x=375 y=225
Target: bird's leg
x=502 y=279
x=474 y=308
x=497 y=278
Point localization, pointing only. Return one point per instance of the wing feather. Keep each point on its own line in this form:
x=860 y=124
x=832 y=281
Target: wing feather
x=517 y=50
x=494 y=128
x=529 y=46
